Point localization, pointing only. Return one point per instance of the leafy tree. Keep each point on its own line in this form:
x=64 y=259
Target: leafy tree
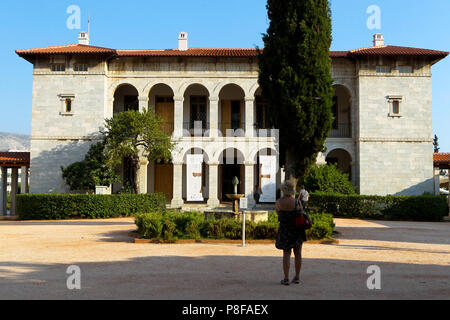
x=133 y=136
x=295 y=78
x=327 y=178
x=91 y=172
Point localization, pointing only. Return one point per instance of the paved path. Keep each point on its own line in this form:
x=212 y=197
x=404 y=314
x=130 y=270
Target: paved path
x=414 y=259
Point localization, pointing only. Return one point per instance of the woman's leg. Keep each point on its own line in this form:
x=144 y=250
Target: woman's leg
x=286 y=263
x=298 y=261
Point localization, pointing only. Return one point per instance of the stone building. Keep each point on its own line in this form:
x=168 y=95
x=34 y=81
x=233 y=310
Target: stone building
x=210 y=102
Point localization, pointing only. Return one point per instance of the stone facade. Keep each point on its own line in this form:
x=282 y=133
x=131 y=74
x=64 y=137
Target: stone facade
x=384 y=152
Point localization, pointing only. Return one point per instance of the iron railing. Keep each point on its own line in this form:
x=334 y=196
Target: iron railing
x=341 y=130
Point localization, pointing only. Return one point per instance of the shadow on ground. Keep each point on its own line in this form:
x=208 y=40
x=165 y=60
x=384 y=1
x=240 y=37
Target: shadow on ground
x=221 y=277
x=398 y=231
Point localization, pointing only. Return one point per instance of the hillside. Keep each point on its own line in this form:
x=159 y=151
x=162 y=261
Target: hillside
x=16 y=142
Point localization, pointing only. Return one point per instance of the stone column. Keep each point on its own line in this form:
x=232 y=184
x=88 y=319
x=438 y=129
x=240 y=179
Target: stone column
x=3 y=191
x=143 y=103
x=14 y=188
x=249 y=185
x=24 y=180
x=214 y=117
x=249 y=116
x=177 y=201
x=142 y=176
x=436 y=179
x=213 y=200
x=178 y=117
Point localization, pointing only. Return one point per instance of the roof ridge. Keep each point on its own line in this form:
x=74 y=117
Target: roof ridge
x=373 y=47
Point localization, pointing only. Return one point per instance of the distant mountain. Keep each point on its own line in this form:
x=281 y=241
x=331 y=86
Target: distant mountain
x=14 y=142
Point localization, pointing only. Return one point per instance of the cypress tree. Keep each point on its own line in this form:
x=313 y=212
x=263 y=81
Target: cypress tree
x=295 y=79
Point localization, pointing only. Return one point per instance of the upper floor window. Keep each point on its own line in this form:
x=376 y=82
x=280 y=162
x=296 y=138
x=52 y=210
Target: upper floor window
x=198 y=111
x=80 y=67
x=383 y=69
x=261 y=116
x=395 y=108
x=66 y=104
x=58 y=67
x=405 y=69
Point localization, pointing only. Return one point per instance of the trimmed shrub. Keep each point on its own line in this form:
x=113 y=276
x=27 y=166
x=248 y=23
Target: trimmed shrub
x=172 y=225
x=70 y=206
x=150 y=226
x=327 y=178
x=421 y=208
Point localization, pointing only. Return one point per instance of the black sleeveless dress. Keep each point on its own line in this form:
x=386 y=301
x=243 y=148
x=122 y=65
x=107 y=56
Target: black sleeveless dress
x=289 y=236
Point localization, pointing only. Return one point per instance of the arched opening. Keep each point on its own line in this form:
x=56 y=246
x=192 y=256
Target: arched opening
x=196 y=110
x=126 y=97
x=161 y=98
x=342 y=159
x=342 y=123
x=231 y=164
x=195 y=176
x=261 y=114
x=232 y=109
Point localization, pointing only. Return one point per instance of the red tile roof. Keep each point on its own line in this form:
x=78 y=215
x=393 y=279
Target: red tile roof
x=66 y=49
x=191 y=52
x=397 y=51
x=14 y=158
x=218 y=52
x=440 y=158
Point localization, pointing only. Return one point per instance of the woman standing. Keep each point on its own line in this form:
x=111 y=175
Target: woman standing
x=289 y=236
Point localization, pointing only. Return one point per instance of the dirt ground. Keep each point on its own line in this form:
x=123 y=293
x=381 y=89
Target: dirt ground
x=414 y=259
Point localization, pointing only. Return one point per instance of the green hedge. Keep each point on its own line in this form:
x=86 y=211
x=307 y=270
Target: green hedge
x=421 y=208
x=173 y=225
x=69 y=206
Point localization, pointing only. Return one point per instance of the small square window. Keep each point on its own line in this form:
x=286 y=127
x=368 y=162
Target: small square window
x=405 y=69
x=58 y=67
x=80 y=67
x=383 y=69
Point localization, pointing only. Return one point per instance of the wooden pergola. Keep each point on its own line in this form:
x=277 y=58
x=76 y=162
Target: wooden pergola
x=13 y=161
x=442 y=161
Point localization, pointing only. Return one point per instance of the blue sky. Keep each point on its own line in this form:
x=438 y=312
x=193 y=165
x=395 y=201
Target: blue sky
x=210 y=23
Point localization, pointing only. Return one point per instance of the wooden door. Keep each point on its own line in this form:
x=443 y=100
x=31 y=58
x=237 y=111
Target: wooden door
x=165 y=109
x=226 y=116
x=164 y=180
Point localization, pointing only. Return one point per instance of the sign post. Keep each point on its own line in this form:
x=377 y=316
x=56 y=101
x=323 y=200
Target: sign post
x=243 y=204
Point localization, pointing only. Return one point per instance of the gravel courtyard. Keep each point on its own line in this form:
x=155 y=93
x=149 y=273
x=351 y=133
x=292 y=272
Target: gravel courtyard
x=414 y=259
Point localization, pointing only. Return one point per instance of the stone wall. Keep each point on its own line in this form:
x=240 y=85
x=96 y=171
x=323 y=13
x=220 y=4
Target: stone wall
x=395 y=151
x=59 y=138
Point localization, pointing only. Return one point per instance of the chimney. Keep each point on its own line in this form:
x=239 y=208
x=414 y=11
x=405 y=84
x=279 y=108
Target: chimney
x=183 y=41
x=378 y=40
x=83 y=38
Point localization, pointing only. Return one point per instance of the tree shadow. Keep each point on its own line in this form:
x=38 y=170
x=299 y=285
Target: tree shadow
x=398 y=231
x=45 y=170
x=227 y=277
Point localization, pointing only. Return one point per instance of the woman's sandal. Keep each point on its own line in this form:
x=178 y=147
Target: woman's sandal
x=285 y=282
x=296 y=281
